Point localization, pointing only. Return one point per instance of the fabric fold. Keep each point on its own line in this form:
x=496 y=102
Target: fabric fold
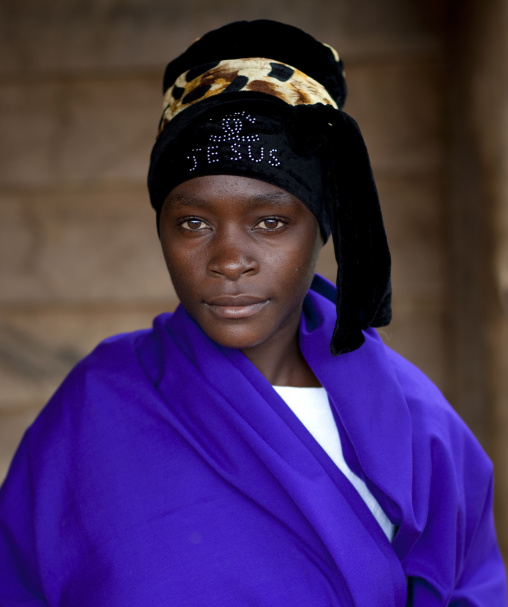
x=166 y=469
x=260 y=431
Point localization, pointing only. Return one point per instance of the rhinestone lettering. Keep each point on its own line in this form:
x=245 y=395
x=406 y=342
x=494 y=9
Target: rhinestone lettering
x=241 y=148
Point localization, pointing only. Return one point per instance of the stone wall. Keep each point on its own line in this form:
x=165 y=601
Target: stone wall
x=80 y=97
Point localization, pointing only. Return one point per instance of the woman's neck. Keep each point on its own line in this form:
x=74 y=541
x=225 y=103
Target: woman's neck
x=282 y=363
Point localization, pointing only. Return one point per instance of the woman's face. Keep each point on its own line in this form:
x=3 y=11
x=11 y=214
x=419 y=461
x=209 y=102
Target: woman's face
x=241 y=254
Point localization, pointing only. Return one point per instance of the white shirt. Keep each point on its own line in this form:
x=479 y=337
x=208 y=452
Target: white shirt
x=312 y=408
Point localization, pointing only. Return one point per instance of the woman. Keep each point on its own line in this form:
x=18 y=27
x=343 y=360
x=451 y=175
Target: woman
x=230 y=455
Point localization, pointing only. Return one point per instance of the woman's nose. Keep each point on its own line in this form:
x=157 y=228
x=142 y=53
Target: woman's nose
x=231 y=257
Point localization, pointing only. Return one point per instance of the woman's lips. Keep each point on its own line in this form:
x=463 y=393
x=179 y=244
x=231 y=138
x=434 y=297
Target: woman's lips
x=235 y=306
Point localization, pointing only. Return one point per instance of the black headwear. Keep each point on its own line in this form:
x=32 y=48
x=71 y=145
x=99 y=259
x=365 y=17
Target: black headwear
x=263 y=99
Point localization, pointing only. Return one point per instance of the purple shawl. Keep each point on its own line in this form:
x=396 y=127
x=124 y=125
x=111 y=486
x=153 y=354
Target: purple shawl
x=167 y=471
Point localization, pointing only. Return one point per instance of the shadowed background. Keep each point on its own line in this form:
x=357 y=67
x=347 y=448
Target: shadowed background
x=80 y=98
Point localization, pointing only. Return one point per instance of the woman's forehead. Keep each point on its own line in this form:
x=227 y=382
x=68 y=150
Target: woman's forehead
x=208 y=189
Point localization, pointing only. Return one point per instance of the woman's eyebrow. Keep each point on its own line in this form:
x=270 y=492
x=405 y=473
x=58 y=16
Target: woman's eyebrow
x=185 y=200
x=275 y=199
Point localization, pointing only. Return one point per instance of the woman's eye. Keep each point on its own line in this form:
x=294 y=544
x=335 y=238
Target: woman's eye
x=270 y=224
x=193 y=224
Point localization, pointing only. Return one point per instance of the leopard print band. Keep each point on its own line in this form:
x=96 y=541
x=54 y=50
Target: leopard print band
x=254 y=74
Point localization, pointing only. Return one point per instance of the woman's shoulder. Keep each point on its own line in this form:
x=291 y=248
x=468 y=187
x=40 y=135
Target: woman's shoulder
x=115 y=372
x=433 y=418
x=416 y=385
